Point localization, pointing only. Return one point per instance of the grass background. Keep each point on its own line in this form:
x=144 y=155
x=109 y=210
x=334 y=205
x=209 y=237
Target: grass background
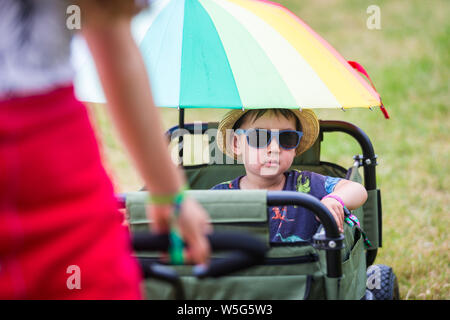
x=408 y=60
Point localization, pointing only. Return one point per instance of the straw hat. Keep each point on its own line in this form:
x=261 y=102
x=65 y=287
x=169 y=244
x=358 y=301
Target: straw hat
x=308 y=120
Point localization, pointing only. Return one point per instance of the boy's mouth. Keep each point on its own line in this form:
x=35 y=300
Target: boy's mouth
x=271 y=163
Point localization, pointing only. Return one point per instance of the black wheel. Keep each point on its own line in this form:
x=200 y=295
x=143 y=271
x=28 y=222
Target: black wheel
x=382 y=282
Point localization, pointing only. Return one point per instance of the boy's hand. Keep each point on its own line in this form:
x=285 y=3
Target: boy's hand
x=336 y=210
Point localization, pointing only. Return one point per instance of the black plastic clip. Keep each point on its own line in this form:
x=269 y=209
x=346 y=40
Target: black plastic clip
x=364 y=162
x=321 y=242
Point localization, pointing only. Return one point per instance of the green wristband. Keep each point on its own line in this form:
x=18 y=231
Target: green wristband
x=176 y=247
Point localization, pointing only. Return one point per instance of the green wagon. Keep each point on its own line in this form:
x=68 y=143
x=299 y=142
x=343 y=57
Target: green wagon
x=333 y=266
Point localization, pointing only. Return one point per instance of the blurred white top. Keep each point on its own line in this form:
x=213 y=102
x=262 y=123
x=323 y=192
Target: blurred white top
x=34 y=47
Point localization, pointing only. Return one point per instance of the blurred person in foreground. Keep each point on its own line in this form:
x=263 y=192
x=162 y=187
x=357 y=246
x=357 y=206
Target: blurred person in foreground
x=58 y=211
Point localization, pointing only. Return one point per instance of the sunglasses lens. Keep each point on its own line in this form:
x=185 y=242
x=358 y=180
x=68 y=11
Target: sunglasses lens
x=289 y=139
x=258 y=138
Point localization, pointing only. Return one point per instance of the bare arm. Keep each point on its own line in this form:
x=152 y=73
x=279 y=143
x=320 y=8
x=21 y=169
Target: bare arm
x=125 y=82
x=352 y=194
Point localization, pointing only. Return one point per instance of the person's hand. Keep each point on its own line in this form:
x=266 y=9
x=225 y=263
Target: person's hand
x=193 y=225
x=336 y=209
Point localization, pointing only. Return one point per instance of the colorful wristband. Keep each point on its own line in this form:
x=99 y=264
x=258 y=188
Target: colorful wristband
x=335 y=197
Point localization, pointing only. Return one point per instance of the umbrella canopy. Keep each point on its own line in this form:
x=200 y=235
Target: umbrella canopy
x=242 y=54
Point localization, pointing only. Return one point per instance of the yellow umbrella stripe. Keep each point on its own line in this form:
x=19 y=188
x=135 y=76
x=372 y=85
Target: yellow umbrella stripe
x=352 y=92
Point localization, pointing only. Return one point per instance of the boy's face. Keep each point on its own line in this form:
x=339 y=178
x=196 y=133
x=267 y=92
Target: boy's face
x=272 y=160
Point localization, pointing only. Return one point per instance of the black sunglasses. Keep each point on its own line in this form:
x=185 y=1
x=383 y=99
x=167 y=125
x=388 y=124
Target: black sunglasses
x=261 y=138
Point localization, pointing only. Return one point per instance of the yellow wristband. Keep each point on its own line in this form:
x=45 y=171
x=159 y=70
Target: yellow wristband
x=168 y=199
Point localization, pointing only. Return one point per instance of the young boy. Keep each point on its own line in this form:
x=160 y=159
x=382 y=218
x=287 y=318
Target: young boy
x=267 y=140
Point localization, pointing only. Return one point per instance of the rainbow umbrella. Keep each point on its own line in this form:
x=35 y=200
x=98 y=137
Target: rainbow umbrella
x=243 y=54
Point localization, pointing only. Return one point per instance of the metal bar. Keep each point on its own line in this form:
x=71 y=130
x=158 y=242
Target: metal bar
x=180 y=138
x=369 y=168
x=363 y=140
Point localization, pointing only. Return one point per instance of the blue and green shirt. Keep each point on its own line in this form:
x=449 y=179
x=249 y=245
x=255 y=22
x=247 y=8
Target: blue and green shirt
x=293 y=223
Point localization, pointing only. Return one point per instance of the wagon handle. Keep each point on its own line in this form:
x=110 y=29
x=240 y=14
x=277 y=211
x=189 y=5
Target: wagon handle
x=245 y=251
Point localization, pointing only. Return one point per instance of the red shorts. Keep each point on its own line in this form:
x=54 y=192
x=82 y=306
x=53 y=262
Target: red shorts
x=61 y=234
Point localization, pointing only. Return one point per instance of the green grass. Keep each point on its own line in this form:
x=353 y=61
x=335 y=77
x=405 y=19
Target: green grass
x=408 y=60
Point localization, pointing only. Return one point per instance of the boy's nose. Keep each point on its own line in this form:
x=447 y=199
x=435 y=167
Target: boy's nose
x=274 y=145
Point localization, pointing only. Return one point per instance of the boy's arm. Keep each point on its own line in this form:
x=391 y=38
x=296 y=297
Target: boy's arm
x=352 y=194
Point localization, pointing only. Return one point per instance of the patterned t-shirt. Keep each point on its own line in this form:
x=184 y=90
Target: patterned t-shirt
x=293 y=223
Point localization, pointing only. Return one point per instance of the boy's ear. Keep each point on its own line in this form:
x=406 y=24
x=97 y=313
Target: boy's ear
x=236 y=145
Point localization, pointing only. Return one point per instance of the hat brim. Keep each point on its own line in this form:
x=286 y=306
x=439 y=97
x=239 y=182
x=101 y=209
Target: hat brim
x=308 y=120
